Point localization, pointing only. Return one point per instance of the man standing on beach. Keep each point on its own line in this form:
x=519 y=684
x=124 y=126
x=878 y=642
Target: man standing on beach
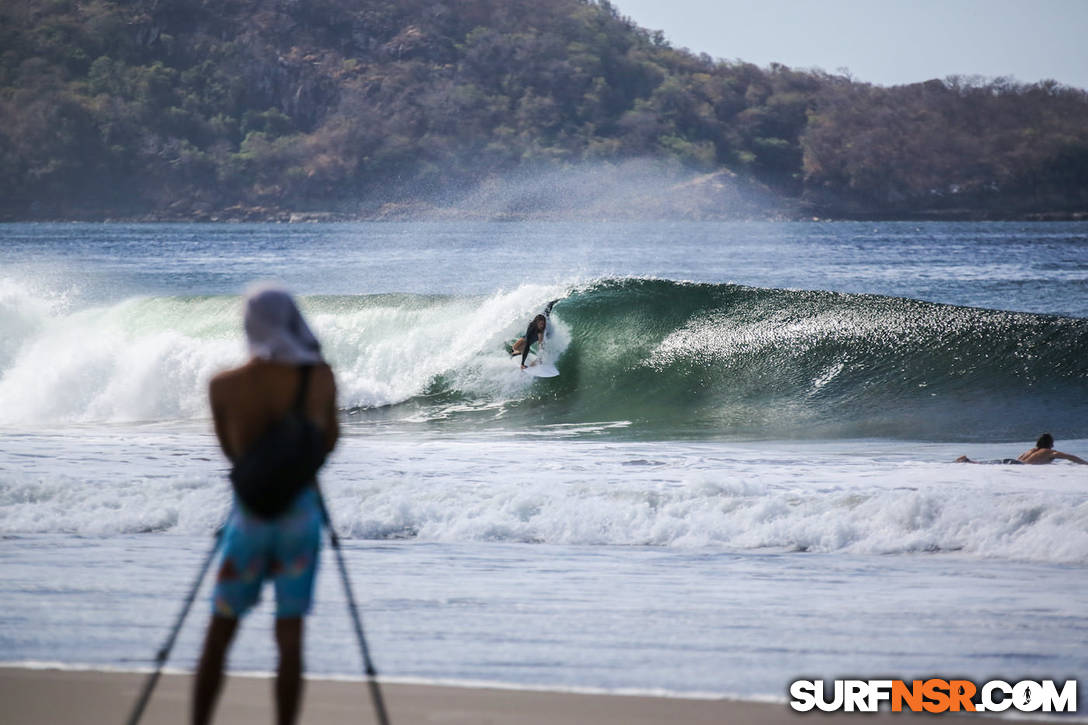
x=285 y=368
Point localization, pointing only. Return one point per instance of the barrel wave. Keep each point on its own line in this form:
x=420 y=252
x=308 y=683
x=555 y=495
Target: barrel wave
x=704 y=358
x=640 y=358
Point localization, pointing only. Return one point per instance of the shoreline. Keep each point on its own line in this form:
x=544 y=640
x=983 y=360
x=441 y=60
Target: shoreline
x=30 y=695
x=402 y=681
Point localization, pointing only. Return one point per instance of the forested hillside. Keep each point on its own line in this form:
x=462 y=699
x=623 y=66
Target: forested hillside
x=197 y=109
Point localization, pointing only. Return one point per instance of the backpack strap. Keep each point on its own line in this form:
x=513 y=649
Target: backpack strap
x=303 y=384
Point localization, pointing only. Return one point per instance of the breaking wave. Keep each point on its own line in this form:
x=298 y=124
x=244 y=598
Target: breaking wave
x=668 y=359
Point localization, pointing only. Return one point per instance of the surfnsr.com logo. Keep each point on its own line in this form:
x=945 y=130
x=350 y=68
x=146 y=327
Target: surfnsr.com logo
x=933 y=696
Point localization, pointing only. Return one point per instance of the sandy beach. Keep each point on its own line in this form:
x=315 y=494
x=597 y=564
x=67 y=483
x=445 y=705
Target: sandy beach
x=48 y=697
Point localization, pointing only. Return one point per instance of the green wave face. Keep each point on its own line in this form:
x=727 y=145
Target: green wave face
x=671 y=359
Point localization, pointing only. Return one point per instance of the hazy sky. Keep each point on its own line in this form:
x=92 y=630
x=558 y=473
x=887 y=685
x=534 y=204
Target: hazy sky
x=887 y=42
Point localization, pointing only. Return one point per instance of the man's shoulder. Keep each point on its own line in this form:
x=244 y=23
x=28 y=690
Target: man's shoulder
x=1038 y=455
x=228 y=379
x=257 y=372
x=226 y=376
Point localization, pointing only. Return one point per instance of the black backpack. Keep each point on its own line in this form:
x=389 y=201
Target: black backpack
x=283 y=461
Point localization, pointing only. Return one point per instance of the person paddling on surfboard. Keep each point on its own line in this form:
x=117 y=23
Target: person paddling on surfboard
x=534 y=333
x=1043 y=452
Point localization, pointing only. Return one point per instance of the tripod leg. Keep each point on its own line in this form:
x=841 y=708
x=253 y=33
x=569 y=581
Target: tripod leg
x=353 y=611
x=164 y=653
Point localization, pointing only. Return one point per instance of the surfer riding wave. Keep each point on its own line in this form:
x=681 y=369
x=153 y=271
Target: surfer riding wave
x=536 y=332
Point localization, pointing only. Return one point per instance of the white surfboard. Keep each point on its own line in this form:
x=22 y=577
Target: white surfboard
x=542 y=370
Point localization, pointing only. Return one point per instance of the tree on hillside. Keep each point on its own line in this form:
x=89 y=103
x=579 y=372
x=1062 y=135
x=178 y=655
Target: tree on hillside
x=182 y=108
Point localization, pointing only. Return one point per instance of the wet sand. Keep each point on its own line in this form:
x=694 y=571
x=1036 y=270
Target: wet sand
x=50 y=697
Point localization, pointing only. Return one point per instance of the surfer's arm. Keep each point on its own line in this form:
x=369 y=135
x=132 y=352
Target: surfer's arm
x=1069 y=457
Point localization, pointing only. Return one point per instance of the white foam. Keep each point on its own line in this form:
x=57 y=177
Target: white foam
x=719 y=496
x=387 y=354
x=141 y=359
x=697 y=504
x=24 y=309
x=150 y=359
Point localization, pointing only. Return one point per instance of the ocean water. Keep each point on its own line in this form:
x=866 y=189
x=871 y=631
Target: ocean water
x=741 y=477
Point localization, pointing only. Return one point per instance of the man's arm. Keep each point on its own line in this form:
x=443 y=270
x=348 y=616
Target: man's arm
x=219 y=418
x=1070 y=457
x=332 y=422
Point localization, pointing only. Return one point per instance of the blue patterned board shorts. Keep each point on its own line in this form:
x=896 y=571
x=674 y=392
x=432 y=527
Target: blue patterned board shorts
x=284 y=550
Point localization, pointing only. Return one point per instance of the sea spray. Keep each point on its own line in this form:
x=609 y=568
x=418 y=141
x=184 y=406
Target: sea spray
x=140 y=359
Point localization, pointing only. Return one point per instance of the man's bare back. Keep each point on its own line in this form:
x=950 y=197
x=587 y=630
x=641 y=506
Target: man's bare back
x=1047 y=455
x=247 y=400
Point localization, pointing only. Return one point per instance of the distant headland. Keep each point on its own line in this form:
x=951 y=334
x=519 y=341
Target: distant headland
x=313 y=110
